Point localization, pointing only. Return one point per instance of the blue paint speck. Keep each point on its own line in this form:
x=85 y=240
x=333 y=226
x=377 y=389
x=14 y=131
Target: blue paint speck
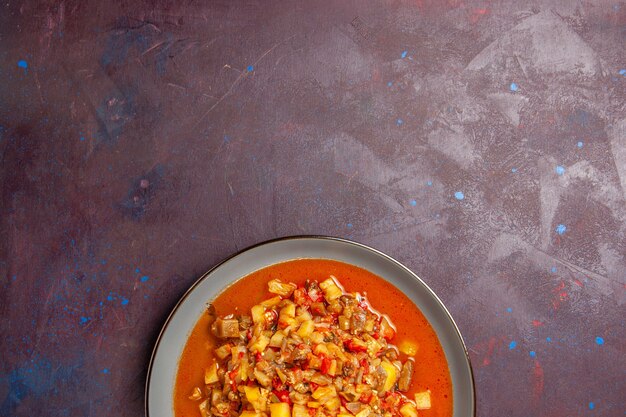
x=399 y=122
x=105 y=371
x=250 y=68
x=389 y=84
x=144 y=278
x=560 y=229
x=22 y=64
x=622 y=72
x=548 y=339
x=404 y=54
x=82 y=138
x=512 y=345
x=459 y=195
x=514 y=87
x=514 y=170
x=579 y=144
x=349 y=225
x=599 y=341
x=509 y=310
x=592 y=406
x=124 y=301
x=553 y=269
x=110 y=297
x=429 y=183
x=559 y=170
x=84 y=320
x=413 y=203
x=532 y=354
x=137 y=270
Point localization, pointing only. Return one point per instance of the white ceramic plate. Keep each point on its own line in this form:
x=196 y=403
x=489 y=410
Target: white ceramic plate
x=173 y=336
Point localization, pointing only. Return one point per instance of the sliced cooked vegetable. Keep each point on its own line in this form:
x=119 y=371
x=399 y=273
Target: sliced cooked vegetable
x=196 y=394
x=405 y=376
x=284 y=290
x=225 y=328
x=311 y=351
x=280 y=410
x=390 y=375
x=408 y=348
x=422 y=400
x=210 y=375
x=408 y=410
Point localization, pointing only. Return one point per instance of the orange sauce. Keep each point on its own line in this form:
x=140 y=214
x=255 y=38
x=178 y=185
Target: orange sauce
x=431 y=367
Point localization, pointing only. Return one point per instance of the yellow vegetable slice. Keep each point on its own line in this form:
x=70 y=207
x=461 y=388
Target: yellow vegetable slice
x=280 y=410
x=210 y=375
x=408 y=410
x=299 y=410
x=391 y=377
x=408 y=347
x=422 y=400
x=306 y=328
x=275 y=286
x=331 y=289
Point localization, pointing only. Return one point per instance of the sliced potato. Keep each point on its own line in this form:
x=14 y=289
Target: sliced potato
x=408 y=410
x=223 y=351
x=258 y=314
x=332 y=404
x=306 y=328
x=331 y=289
x=210 y=375
x=277 y=339
x=252 y=394
x=287 y=315
x=332 y=369
x=392 y=374
x=280 y=410
x=408 y=347
x=259 y=344
x=422 y=400
x=196 y=394
x=299 y=410
x=321 y=392
x=275 y=286
x=317 y=337
x=204 y=408
x=271 y=302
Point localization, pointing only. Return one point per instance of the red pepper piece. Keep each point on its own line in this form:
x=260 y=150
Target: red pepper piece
x=326 y=362
x=283 y=396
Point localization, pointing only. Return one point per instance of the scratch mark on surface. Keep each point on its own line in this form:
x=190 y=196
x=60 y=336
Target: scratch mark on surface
x=238 y=79
x=178 y=86
x=38 y=87
x=156 y=45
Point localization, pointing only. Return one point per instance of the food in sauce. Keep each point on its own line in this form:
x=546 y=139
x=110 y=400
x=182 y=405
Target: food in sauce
x=308 y=350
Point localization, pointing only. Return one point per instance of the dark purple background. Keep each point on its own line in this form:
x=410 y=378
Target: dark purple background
x=483 y=144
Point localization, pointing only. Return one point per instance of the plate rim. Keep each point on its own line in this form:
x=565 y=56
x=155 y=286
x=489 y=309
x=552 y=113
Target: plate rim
x=202 y=277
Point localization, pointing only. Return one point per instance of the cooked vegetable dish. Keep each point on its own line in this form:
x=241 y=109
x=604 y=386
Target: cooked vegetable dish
x=308 y=350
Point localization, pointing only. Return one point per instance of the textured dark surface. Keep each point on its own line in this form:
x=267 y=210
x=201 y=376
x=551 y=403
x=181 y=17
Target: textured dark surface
x=141 y=144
